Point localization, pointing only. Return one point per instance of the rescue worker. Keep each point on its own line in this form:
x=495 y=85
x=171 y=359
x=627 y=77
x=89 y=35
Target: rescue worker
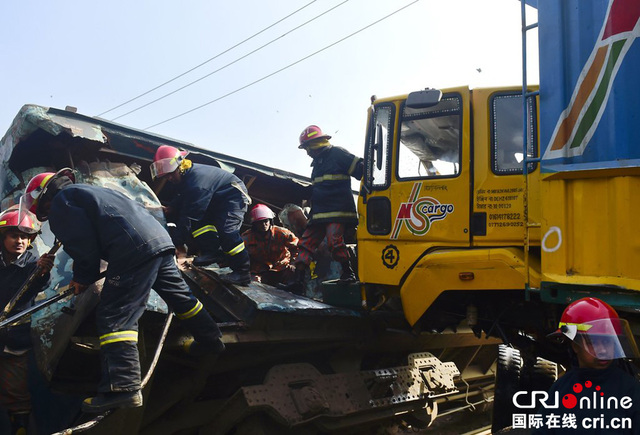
x=333 y=208
x=95 y=223
x=598 y=339
x=17 y=264
x=213 y=203
x=294 y=218
x=271 y=248
x=322 y=267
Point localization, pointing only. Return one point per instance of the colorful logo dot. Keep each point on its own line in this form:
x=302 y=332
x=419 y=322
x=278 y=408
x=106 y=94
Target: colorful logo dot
x=588 y=384
x=569 y=401
x=577 y=388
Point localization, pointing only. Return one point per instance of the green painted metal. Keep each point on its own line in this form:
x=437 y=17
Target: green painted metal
x=347 y=295
x=555 y=293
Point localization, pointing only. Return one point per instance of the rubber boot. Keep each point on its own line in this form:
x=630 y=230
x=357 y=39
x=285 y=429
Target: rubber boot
x=209 y=246
x=196 y=348
x=348 y=276
x=237 y=278
x=207 y=258
x=19 y=423
x=205 y=332
x=297 y=286
x=106 y=401
x=239 y=264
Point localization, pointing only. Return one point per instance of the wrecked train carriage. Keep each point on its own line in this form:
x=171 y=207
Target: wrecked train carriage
x=47 y=138
x=291 y=362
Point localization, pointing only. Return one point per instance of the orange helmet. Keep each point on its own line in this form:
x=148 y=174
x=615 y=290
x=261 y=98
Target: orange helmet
x=590 y=320
x=166 y=160
x=310 y=134
x=10 y=219
x=260 y=212
x=37 y=188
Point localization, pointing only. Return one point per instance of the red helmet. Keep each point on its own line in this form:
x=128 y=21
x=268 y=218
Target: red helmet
x=586 y=310
x=10 y=219
x=591 y=320
x=310 y=134
x=37 y=188
x=166 y=160
x=260 y=212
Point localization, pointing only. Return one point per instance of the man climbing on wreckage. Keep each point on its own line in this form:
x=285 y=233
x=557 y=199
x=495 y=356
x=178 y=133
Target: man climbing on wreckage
x=95 y=223
x=211 y=208
x=333 y=209
x=17 y=264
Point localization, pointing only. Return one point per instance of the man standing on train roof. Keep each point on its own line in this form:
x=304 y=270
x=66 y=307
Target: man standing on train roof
x=95 y=223
x=333 y=209
x=211 y=209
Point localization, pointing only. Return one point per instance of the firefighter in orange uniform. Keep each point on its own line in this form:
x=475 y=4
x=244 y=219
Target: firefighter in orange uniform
x=271 y=248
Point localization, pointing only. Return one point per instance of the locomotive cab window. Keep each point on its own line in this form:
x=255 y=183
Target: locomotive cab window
x=429 y=144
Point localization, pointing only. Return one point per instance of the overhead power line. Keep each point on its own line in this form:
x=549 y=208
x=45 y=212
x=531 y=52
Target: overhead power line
x=283 y=68
x=230 y=63
x=207 y=61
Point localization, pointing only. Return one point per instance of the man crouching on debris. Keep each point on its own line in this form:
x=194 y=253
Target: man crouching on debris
x=271 y=248
x=212 y=206
x=17 y=264
x=332 y=205
x=95 y=223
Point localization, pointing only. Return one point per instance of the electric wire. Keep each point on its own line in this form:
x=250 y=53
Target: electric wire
x=283 y=68
x=208 y=60
x=229 y=64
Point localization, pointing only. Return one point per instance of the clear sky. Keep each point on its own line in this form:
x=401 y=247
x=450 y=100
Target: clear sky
x=97 y=55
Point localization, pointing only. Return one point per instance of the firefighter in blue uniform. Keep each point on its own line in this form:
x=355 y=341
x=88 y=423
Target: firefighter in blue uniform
x=333 y=209
x=601 y=345
x=17 y=264
x=211 y=210
x=95 y=223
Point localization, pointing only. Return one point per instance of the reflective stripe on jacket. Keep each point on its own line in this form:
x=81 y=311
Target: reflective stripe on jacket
x=198 y=189
x=332 y=197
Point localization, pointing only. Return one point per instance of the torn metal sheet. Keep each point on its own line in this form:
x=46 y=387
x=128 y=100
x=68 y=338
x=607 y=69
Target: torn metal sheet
x=32 y=118
x=49 y=139
x=267 y=298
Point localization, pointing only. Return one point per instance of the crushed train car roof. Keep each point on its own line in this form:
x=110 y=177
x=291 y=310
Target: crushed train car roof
x=48 y=138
